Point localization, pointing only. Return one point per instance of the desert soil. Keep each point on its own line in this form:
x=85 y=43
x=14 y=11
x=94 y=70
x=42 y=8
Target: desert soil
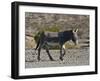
x=73 y=57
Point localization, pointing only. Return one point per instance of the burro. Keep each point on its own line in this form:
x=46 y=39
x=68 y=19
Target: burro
x=56 y=37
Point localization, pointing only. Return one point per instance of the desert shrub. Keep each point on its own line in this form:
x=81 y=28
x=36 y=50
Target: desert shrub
x=70 y=46
x=54 y=28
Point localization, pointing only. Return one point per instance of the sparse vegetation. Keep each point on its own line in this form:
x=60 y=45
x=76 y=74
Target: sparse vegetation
x=70 y=46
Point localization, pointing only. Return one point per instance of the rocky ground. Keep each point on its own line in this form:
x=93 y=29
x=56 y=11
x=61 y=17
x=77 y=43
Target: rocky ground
x=73 y=57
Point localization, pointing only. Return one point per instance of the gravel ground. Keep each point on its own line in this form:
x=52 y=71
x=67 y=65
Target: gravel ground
x=73 y=57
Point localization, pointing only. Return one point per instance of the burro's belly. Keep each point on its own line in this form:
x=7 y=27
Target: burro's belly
x=52 y=39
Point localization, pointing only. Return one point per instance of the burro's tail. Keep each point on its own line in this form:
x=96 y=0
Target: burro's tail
x=37 y=44
x=39 y=40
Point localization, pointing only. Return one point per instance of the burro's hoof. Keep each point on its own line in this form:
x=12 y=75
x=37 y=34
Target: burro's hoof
x=61 y=58
x=52 y=59
x=39 y=59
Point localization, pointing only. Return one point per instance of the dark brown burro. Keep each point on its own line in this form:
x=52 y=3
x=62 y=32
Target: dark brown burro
x=58 y=37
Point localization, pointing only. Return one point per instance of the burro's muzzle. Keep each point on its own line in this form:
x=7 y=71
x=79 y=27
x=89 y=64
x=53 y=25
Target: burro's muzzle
x=75 y=36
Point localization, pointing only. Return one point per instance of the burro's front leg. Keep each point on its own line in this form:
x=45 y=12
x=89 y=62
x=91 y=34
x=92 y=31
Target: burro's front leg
x=64 y=50
x=61 y=54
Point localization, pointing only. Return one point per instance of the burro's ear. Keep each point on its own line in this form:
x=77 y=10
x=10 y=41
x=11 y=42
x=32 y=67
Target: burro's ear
x=75 y=30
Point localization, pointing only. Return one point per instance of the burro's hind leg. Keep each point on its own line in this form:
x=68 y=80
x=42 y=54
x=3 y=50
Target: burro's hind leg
x=39 y=51
x=38 y=57
x=47 y=50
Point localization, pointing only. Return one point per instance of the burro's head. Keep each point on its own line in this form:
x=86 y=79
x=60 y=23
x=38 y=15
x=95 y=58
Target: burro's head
x=75 y=36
